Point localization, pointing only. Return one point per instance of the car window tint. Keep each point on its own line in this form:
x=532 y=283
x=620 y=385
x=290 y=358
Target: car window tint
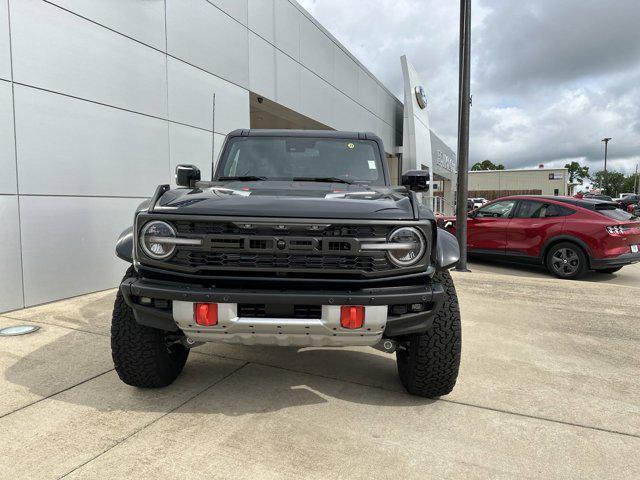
x=553 y=210
x=499 y=209
x=613 y=212
x=530 y=209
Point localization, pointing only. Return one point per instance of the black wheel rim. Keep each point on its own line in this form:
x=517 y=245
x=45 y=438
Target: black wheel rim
x=565 y=262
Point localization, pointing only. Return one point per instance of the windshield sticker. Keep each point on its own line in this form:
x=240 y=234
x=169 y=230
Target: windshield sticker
x=351 y=145
x=372 y=165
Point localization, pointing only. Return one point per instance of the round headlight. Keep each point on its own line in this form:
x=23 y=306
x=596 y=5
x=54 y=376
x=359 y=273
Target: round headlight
x=153 y=240
x=410 y=246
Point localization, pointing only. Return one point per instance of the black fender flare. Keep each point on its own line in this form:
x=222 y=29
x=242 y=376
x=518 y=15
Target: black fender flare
x=447 y=250
x=124 y=245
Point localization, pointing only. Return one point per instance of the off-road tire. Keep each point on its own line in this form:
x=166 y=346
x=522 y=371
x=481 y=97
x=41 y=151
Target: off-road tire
x=577 y=254
x=609 y=270
x=428 y=362
x=142 y=355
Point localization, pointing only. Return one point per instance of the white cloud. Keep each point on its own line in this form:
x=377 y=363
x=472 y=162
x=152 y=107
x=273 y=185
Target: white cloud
x=549 y=79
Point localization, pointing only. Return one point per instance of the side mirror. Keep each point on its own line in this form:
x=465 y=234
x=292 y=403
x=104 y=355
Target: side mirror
x=416 y=180
x=187 y=175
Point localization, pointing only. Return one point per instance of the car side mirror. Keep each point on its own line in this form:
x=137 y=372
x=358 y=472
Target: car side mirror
x=416 y=180
x=187 y=175
x=472 y=214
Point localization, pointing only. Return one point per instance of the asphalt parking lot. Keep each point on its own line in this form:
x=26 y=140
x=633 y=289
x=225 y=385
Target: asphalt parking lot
x=549 y=388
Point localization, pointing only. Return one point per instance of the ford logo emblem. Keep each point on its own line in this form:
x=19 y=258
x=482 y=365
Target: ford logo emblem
x=421 y=96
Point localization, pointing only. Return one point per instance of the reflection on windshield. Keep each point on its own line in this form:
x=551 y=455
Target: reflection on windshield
x=325 y=159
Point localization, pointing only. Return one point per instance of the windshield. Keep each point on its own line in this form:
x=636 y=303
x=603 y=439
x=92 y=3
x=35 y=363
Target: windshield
x=280 y=158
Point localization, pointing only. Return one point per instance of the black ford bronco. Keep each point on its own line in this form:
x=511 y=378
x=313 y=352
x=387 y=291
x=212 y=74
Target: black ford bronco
x=298 y=240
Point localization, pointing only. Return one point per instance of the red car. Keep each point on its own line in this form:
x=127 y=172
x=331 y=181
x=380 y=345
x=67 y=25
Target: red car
x=568 y=235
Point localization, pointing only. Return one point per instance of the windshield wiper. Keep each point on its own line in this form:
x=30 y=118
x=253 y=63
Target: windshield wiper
x=321 y=179
x=243 y=178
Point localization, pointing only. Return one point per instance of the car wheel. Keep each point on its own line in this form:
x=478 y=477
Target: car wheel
x=566 y=260
x=428 y=362
x=609 y=270
x=143 y=356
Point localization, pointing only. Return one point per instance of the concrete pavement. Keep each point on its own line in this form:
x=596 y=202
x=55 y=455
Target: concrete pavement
x=549 y=388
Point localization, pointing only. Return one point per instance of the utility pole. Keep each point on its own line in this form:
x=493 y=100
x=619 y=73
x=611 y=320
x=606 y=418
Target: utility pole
x=464 y=104
x=605 y=185
x=635 y=181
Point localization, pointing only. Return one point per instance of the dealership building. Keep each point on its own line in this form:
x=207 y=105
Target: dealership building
x=492 y=184
x=100 y=100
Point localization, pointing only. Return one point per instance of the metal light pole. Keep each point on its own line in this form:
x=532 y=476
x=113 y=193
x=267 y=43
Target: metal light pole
x=604 y=181
x=464 y=103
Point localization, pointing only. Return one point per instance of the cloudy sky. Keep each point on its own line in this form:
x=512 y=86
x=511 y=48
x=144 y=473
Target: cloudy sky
x=550 y=78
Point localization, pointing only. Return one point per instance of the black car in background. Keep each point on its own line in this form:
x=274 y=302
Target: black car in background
x=624 y=202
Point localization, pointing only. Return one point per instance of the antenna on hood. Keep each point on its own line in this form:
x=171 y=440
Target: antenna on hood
x=213 y=134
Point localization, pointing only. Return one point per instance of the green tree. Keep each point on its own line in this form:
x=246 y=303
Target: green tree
x=629 y=184
x=615 y=182
x=487 y=165
x=577 y=172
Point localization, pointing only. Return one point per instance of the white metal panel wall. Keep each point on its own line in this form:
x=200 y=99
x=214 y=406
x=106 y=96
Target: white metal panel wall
x=59 y=51
x=5 y=53
x=111 y=95
x=191 y=99
x=261 y=19
x=68 y=244
x=10 y=257
x=72 y=147
x=204 y=36
x=262 y=66
x=7 y=144
x=142 y=20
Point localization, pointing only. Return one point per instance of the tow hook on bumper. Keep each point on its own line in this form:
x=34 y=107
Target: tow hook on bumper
x=386 y=345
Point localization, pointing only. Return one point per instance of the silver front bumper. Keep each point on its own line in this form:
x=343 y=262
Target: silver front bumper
x=314 y=332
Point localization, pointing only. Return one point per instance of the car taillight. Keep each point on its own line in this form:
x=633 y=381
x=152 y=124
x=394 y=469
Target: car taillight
x=617 y=230
x=351 y=316
x=206 y=314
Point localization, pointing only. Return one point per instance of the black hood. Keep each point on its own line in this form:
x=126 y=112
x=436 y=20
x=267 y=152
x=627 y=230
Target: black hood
x=288 y=199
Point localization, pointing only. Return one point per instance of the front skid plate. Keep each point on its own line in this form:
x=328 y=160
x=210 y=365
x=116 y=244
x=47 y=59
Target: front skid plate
x=300 y=332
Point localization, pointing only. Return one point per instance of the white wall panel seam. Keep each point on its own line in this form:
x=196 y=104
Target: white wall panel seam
x=166 y=79
x=314 y=22
x=15 y=150
x=149 y=46
x=112 y=106
x=111 y=29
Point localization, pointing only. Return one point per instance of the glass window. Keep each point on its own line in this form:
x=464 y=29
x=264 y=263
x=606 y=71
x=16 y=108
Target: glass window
x=614 y=212
x=553 y=210
x=500 y=209
x=530 y=209
x=280 y=158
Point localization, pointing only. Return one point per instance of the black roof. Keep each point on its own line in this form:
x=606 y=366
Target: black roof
x=254 y=132
x=588 y=203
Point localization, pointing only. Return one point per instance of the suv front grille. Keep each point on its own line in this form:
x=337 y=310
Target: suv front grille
x=375 y=262
x=237 y=249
